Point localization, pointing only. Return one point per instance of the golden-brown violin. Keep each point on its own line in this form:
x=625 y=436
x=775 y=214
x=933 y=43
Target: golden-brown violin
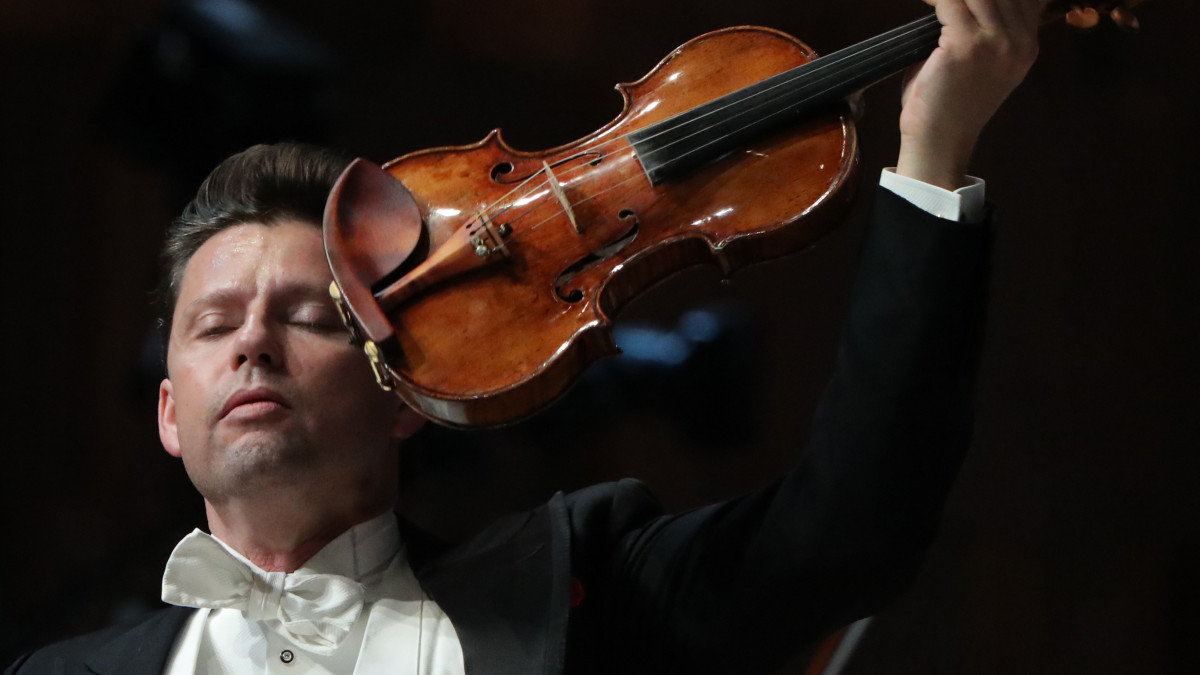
x=481 y=280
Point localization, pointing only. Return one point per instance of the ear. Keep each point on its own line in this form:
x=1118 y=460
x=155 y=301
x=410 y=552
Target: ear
x=407 y=423
x=168 y=431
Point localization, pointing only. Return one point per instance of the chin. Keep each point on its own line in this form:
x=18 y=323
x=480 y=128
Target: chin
x=250 y=468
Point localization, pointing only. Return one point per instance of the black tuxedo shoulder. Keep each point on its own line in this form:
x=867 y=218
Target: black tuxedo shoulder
x=140 y=647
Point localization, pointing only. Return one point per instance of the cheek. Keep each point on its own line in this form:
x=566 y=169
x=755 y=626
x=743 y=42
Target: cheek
x=343 y=366
x=192 y=431
x=190 y=412
x=352 y=394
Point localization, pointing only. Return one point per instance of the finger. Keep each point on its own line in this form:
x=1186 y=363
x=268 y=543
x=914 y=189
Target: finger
x=1033 y=18
x=954 y=14
x=1021 y=16
x=988 y=15
x=1009 y=12
x=909 y=75
x=1019 y=21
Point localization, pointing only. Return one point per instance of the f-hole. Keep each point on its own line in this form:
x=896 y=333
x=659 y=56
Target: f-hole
x=590 y=260
x=501 y=170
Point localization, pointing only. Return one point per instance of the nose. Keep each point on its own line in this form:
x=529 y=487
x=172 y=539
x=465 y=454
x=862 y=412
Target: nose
x=257 y=345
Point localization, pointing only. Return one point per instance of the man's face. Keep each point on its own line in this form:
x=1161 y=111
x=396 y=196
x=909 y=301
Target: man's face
x=263 y=388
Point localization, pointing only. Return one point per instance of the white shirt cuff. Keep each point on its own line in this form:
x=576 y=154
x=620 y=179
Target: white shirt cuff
x=965 y=204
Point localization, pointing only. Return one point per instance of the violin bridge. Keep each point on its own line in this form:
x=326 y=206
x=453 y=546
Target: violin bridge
x=561 y=196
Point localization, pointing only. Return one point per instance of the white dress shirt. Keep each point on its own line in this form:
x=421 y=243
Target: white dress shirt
x=400 y=631
x=965 y=204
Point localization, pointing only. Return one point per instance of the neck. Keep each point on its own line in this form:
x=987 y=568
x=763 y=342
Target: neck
x=280 y=537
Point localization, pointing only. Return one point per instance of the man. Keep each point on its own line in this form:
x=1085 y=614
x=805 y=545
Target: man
x=281 y=429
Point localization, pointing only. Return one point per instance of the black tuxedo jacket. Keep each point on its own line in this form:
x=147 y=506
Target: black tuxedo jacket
x=602 y=581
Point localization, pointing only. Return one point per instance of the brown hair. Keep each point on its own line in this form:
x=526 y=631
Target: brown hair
x=262 y=184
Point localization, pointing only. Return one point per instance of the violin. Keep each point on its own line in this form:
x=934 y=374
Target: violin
x=481 y=280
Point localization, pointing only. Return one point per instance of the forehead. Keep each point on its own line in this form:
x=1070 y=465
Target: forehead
x=252 y=258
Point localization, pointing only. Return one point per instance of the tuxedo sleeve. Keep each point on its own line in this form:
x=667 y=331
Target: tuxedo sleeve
x=741 y=585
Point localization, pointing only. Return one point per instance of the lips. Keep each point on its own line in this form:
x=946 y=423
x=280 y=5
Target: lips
x=250 y=400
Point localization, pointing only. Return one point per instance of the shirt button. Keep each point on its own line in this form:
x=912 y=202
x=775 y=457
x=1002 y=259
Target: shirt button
x=286 y=656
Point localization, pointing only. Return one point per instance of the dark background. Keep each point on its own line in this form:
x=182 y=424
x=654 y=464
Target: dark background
x=1071 y=541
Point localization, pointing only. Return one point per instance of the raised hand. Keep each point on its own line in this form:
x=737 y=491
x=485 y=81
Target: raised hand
x=985 y=50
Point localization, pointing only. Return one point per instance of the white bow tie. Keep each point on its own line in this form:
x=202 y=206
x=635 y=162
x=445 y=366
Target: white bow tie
x=315 y=611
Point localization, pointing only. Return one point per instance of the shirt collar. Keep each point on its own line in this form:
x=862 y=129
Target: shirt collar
x=361 y=553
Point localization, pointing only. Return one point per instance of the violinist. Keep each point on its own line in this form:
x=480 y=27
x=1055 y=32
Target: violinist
x=281 y=428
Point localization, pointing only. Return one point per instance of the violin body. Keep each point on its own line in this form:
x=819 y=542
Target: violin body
x=570 y=234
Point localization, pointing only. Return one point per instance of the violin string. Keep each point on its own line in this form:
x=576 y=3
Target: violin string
x=818 y=69
x=815 y=67
x=811 y=96
x=894 y=43
x=880 y=46
x=813 y=70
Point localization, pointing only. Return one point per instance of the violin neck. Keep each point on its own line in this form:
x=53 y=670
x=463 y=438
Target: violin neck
x=687 y=140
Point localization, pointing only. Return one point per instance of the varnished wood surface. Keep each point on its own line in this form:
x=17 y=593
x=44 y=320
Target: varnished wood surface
x=497 y=344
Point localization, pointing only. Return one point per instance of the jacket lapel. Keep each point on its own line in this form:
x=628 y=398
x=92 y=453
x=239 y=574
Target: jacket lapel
x=143 y=649
x=506 y=591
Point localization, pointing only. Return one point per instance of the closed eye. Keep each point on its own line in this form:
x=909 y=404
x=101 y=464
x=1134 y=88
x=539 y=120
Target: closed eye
x=320 y=326
x=318 y=317
x=213 y=324
x=213 y=331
